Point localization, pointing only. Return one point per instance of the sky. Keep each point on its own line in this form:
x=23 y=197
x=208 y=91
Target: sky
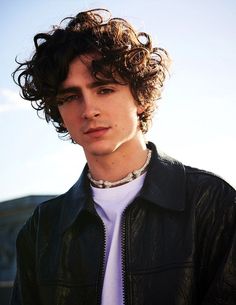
x=195 y=122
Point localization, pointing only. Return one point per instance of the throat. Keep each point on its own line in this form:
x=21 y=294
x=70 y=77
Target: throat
x=126 y=179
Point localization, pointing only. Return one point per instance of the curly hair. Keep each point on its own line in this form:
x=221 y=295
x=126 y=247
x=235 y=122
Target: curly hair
x=124 y=54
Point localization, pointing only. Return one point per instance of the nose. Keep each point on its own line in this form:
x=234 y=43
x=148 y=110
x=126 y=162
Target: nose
x=90 y=111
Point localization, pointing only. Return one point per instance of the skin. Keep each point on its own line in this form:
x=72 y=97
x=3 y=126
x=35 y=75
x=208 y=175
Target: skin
x=103 y=119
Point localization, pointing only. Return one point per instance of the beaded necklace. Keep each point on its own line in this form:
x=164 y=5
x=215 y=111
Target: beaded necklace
x=130 y=177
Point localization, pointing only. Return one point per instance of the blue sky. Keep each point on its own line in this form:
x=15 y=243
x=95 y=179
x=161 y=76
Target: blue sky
x=195 y=122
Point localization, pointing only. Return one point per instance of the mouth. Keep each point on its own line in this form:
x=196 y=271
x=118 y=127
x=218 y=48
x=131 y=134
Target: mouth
x=96 y=132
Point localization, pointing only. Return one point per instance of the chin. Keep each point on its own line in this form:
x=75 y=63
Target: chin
x=99 y=149
x=102 y=151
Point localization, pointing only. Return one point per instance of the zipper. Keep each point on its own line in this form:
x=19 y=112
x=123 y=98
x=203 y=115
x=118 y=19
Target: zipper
x=123 y=258
x=102 y=267
x=124 y=243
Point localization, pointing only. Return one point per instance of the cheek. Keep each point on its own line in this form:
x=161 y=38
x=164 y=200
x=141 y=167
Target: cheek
x=127 y=122
x=62 y=114
x=64 y=120
x=68 y=116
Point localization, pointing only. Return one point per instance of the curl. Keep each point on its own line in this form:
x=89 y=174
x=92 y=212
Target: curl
x=122 y=55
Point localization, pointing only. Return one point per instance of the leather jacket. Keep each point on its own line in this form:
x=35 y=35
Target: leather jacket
x=178 y=243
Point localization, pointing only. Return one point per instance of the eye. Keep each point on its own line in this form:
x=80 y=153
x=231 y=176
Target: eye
x=104 y=91
x=67 y=99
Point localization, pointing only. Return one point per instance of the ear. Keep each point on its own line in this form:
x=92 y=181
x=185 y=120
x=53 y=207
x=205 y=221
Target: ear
x=140 y=109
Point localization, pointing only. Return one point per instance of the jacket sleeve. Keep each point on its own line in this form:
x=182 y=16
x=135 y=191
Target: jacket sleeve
x=25 y=285
x=216 y=242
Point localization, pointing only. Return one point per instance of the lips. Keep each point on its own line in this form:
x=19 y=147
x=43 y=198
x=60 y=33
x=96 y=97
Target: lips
x=96 y=132
x=91 y=130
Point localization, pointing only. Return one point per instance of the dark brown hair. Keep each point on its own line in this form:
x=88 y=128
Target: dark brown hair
x=124 y=54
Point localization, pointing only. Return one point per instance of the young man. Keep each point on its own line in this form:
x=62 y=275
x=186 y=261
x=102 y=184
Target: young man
x=137 y=227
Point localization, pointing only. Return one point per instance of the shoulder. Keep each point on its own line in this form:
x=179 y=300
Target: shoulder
x=56 y=213
x=213 y=199
x=200 y=186
x=48 y=211
x=52 y=206
x=208 y=184
x=182 y=186
x=197 y=183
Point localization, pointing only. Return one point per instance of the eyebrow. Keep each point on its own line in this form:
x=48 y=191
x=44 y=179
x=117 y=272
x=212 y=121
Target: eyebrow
x=92 y=85
x=72 y=89
x=99 y=83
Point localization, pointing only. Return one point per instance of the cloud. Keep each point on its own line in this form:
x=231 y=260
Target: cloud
x=11 y=101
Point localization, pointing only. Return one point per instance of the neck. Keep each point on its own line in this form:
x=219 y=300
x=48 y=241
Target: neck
x=119 y=163
x=130 y=177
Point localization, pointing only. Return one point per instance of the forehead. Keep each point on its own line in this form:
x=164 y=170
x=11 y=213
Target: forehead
x=82 y=72
x=79 y=70
x=82 y=63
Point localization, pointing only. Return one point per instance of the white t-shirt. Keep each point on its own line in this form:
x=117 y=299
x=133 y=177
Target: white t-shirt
x=110 y=204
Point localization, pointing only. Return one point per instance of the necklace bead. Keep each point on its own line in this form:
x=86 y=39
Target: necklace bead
x=131 y=176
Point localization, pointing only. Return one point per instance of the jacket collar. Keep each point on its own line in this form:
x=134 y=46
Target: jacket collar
x=164 y=185
x=165 y=181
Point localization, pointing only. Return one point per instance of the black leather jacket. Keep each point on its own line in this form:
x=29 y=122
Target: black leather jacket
x=178 y=243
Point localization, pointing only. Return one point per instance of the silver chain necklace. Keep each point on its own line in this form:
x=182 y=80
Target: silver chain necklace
x=130 y=177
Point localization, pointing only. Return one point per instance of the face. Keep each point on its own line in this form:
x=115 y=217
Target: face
x=101 y=117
